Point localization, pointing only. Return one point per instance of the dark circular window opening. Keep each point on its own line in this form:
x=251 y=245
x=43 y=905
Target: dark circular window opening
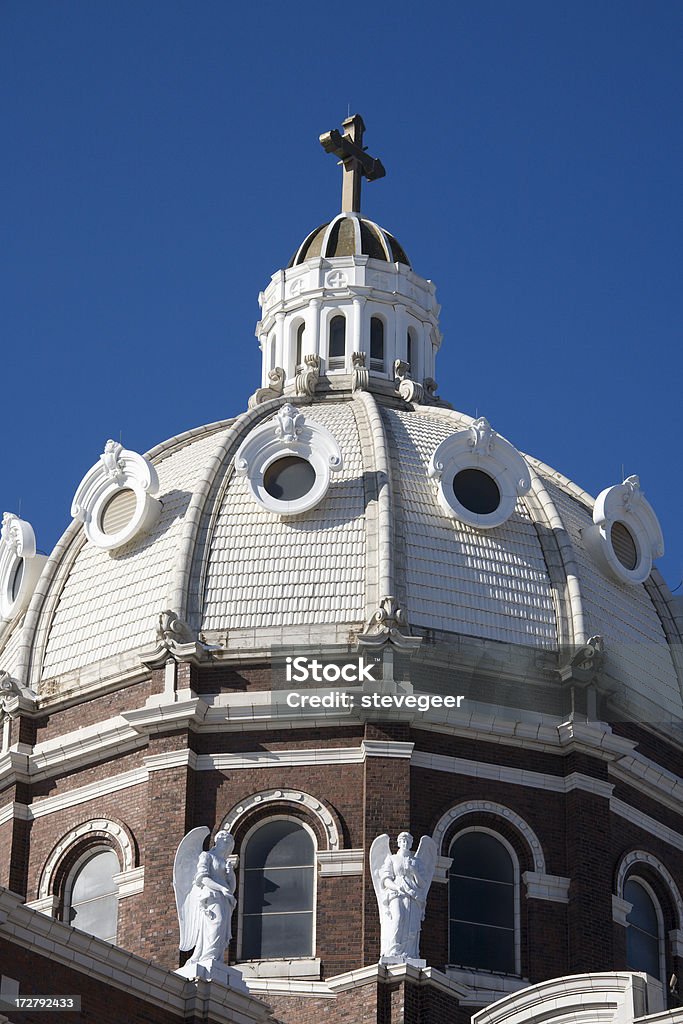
x=624 y=545
x=476 y=491
x=289 y=478
x=17 y=580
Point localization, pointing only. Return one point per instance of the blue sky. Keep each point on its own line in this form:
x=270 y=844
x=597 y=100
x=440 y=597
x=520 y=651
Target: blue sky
x=162 y=161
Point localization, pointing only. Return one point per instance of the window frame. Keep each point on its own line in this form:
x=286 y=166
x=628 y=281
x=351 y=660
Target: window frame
x=661 y=930
x=517 y=908
x=87 y=854
x=337 y=362
x=241 y=884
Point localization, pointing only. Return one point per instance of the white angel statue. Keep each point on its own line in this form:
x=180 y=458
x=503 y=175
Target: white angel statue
x=204 y=883
x=401 y=882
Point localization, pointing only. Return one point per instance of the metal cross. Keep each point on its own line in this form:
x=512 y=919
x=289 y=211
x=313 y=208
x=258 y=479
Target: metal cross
x=357 y=164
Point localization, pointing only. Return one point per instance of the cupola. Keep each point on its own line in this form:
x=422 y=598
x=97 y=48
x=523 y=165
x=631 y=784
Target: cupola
x=348 y=296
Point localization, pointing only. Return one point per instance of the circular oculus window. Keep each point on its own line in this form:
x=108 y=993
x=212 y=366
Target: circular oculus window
x=17 y=579
x=476 y=491
x=289 y=478
x=624 y=545
x=118 y=512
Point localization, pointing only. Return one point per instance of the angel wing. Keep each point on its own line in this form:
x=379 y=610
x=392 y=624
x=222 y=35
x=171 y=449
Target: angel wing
x=379 y=851
x=184 y=870
x=427 y=855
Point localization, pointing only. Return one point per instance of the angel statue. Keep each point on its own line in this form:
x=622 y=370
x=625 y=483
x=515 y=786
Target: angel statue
x=204 y=883
x=401 y=882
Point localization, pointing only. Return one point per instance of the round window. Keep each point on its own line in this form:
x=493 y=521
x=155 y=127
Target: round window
x=624 y=545
x=118 y=512
x=289 y=478
x=17 y=579
x=476 y=491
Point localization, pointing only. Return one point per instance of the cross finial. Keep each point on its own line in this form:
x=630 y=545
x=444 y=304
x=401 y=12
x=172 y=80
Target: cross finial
x=357 y=164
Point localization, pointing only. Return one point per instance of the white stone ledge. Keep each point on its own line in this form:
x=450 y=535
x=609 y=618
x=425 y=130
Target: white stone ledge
x=340 y=862
x=303 y=968
x=553 y=888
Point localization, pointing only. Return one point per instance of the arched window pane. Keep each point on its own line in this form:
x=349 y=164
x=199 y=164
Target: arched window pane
x=93 y=903
x=278 y=896
x=642 y=932
x=409 y=350
x=299 y=344
x=376 y=343
x=337 y=346
x=482 y=904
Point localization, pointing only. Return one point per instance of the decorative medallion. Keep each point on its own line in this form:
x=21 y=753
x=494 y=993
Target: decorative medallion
x=20 y=565
x=625 y=536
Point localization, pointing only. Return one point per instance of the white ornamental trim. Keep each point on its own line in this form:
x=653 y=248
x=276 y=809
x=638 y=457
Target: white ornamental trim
x=17 y=555
x=293 y=797
x=489 y=807
x=479 y=447
x=553 y=888
x=288 y=433
x=626 y=504
x=96 y=825
x=341 y=862
x=118 y=470
x=635 y=857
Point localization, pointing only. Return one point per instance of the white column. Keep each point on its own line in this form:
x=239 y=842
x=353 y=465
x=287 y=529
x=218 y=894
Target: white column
x=400 y=335
x=312 y=343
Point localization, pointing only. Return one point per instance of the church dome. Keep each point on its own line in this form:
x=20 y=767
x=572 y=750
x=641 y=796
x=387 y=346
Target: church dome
x=349 y=234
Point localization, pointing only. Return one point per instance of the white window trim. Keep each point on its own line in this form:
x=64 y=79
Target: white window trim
x=17 y=545
x=517 y=908
x=624 y=503
x=660 y=926
x=242 y=873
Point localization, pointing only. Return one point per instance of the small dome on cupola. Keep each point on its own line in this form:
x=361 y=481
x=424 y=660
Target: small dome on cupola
x=350 y=235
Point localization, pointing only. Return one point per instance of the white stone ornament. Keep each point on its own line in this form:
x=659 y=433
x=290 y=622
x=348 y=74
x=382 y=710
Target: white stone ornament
x=20 y=565
x=289 y=435
x=478 y=447
x=115 y=499
x=624 y=506
x=401 y=881
x=204 y=884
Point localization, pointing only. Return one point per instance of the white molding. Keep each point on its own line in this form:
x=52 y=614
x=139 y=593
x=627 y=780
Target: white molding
x=443 y=866
x=170 y=759
x=497 y=810
x=297 y=967
x=15 y=811
x=648 y=777
x=118 y=969
x=553 y=888
x=636 y=857
x=624 y=503
x=484 y=987
x=479 y=447
x=91 y=791
x=130 y=882
x=288 y=433
x=676 y=940
x=387 y=748
x=646 y=823
x=17 y=549
x=280 y=797
x=620 y=910
x=340 y=862
x=117 y=470
x=279 y=758
x=45 y=905
x=514 y=776
x=116 y=833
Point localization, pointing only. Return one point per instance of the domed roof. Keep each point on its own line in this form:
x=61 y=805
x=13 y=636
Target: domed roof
x=245 y=578
x=349 y=234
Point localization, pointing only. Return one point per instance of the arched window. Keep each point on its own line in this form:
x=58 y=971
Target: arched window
x=411 y=352
x=337 y=346
x=299 y=347
x=376 y=343
x=482 y=903
x=91 y=895
x=278 y=876
x=644 y=931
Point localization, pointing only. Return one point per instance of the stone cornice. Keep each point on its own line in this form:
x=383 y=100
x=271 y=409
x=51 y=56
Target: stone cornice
x=118 y=969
